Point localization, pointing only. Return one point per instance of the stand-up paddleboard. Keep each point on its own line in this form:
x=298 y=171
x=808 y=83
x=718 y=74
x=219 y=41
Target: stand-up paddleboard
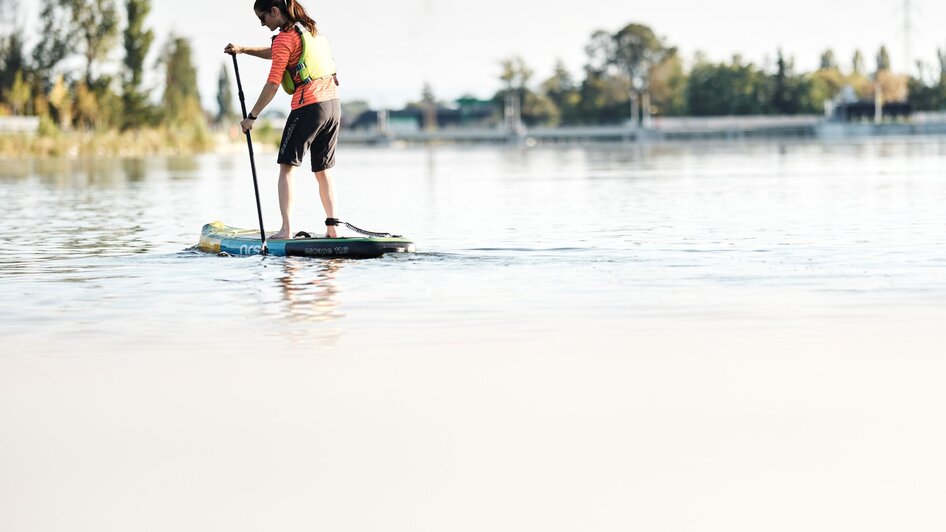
x=219 y=238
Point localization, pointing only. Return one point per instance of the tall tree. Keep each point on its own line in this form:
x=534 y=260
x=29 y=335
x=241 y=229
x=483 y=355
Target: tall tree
x=781 y=94
x=55 y=17
x=181 y=99
x=792 y=93
x=12 y=60
x=95 y=26
x=515 y=75
x=18 y=95
x=668 y=86
x=224 y=95
x=600 y=51
x=637 y=50
x=87 y=108
x=560 y=89
x=61 y=101
x=941 y=59
x=826 y=82
x=857 y=63
x=137 y=40
x=603 y=98
x=828 y=62
x=883 y=60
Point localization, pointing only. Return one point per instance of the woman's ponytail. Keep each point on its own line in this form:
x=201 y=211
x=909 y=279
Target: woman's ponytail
x=296 y=13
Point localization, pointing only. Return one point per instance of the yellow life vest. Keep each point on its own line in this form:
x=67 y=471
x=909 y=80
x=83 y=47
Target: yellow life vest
x=315 y=61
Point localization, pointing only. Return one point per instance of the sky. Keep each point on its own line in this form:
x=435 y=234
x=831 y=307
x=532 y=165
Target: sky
x=387 y=51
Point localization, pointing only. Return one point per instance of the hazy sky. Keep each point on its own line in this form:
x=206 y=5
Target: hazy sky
x=387 y=50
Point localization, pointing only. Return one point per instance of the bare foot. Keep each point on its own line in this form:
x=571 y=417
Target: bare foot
x=281 y=235
x=330 y=231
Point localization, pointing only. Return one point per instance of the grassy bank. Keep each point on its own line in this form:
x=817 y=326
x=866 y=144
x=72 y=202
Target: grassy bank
x=157 y=141
x=51 y=142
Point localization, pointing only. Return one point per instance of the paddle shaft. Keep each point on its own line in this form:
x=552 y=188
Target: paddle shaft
x=249 y=144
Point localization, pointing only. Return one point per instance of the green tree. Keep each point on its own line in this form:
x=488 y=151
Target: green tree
x=19 y=94
x=941 y=58
x=86 y=107
x=668 y=86
x=562 y=92
x=12 y=60
x=930 y=96
x=633 y=52
x=600 y=52
x=857 y=63
x=826 y=82
x=61 y=101
x=95 y=27
x=111 y=107
x=637 y=51
x=515 y=76
x=734 y=89
x=224 y=96
x=926 y=97
x=828 y=62
x=883 y=60
x=540 y=110
x=56 y=29
x=791 y=93
x=181 y=98
x=604 y=98
x=137 y=41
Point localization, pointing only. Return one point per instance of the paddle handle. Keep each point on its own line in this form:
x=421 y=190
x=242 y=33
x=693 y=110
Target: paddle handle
x=249 y=144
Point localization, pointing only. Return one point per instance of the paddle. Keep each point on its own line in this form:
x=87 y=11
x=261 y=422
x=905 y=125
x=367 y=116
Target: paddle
x=249 y=144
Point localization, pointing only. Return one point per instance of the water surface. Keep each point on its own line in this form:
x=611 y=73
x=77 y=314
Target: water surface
x=733 y=336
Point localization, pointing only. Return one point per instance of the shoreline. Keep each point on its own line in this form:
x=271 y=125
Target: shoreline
x=726 y=130
x=665 y=131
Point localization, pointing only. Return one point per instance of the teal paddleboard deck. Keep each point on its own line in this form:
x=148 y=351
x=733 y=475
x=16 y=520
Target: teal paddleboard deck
x=218 y=238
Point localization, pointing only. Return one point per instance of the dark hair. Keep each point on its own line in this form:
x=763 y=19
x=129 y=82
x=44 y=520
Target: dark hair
x=292 y=9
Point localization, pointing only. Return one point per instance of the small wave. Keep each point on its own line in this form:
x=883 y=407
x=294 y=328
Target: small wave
x=531 y=250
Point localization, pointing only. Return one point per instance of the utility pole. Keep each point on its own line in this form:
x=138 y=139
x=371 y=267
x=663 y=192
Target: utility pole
x=908 y=29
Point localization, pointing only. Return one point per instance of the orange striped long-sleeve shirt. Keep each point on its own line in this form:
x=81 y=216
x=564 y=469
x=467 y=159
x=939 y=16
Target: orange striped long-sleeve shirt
x=287 y=48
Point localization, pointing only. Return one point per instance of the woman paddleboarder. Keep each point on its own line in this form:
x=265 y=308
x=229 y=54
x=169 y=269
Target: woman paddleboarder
x=302 y=64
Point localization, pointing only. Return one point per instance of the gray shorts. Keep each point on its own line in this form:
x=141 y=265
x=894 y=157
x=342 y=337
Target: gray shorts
x=313 y=128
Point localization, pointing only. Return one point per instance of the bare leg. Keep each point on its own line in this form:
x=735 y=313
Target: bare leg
x=285 y=200
x=327 y=195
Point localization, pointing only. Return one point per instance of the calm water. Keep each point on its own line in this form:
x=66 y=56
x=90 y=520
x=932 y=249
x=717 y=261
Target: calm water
x=589 y=338
x=512 y=244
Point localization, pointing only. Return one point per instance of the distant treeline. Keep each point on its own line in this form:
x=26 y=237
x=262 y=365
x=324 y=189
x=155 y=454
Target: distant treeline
x=633 y=69
x=62 y=78
x=68 y=79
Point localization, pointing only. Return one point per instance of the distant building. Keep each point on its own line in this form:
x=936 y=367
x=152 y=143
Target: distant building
x=468 y=113
x=866 y=111
x=846 y=107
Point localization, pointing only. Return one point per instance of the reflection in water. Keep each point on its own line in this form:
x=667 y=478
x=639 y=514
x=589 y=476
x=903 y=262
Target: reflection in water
x=102 y=172
x=13 y=170
x=183 y=167
x=308 y=297
x=309 y=290
x=135 y=169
